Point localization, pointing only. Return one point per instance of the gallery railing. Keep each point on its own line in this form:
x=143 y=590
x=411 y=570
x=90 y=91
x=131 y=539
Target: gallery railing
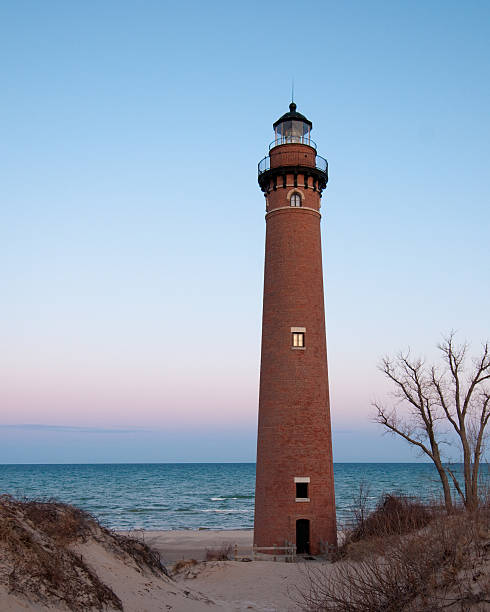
x=289 y=139
x=320 y=164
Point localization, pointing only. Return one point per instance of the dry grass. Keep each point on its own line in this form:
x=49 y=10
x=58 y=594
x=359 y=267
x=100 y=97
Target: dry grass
x=394 y=515
x=183 y=565
x=413 y=558
x=62 y=522
x=224 y=553
x=66 y=524
x=36 y=559
x=144 y=556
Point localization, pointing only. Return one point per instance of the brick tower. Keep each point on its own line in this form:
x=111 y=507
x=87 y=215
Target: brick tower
x=294 y=496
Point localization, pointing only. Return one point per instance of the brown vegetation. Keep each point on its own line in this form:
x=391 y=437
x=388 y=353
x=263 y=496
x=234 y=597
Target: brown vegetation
x=219 y=554
x=394 y=515
x=406 y=556
x=37 y=560
x=183 y=565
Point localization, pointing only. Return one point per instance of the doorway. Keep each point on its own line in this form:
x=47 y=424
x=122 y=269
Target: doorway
x=303 y=537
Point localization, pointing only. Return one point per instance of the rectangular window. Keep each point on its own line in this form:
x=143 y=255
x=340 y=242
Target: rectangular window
x=298 y=339
x=302 y=490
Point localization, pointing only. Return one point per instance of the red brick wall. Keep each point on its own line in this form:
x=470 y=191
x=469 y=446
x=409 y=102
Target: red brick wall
x=294 y=435
x=293 y=154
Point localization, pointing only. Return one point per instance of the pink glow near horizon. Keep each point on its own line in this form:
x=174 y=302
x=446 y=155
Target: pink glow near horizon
x=51 y=398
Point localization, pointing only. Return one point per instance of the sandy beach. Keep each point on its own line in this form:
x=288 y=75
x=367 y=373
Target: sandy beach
x=265 y=586
x=56 y=557
x=192 y=544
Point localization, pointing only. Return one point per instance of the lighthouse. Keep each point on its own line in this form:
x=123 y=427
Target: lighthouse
x=294 y=495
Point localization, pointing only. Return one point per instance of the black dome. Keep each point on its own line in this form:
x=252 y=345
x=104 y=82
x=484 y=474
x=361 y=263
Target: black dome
x=293 y=115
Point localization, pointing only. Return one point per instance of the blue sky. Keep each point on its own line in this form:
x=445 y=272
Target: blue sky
x=132 y=227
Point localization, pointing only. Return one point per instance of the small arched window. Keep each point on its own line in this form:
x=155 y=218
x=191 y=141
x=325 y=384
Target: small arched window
x=295 y=199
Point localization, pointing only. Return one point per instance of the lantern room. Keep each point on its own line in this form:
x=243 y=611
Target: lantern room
x=292 y=127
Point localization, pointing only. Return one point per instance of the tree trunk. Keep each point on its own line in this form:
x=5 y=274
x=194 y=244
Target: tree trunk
x=471 y=501
x=448 y=501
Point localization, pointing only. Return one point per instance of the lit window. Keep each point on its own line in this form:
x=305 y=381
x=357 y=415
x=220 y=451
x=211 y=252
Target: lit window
x=295 y=199
x=298 y=339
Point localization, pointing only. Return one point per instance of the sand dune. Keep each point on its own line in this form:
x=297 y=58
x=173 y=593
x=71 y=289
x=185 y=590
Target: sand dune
x=56 y=557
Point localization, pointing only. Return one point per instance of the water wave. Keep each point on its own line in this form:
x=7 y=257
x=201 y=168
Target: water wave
x=234 y=497
x=143 y=510
x=151 y=495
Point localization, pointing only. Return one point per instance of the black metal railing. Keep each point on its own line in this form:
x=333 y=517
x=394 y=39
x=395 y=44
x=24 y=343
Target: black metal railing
x=320 y=163
x=264 y=164
x=289 y=139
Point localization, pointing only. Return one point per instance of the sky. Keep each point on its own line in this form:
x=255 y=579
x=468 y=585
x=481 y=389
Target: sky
x=132 y=226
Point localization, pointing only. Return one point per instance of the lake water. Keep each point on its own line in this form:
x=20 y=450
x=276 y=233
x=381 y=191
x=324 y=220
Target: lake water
x=194 y=495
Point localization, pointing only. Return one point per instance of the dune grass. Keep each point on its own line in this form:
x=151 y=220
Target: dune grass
x=406 y=555
x=38 y=556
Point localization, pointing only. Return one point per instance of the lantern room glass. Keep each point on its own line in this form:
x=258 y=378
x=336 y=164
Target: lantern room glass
x=292 y=131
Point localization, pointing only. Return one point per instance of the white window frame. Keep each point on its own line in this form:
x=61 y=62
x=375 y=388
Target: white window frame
x=295 y=195
x=302 y=479
x=298 y=330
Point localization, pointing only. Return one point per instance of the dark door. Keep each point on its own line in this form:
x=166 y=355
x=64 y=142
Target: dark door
x=302 y=536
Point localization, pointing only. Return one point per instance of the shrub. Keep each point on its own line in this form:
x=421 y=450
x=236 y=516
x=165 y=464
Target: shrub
x=37 y=560
x=219 y=554
x=394 y=514
x=423 y=565
x=183 y=565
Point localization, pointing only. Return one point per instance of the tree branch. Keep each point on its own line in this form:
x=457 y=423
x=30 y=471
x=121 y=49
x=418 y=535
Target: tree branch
x=482 y=367
x=383 y=419
x=456 y=483
x=437 y=384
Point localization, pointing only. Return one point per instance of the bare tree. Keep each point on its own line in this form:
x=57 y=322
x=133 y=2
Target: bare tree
x=433 y=401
